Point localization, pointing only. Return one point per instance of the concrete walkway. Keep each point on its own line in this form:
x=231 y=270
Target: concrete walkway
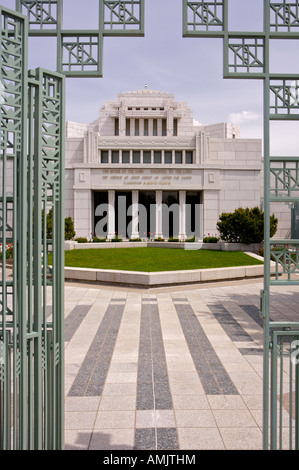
x=166 y=369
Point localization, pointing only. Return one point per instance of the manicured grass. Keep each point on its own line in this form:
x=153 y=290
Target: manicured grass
x=155 y=259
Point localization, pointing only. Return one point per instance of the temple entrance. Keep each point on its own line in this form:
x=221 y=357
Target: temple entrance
x=147 y=214
x=123 y=219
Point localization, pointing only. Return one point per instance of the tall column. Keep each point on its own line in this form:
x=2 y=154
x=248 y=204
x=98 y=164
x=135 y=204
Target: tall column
x=135 y=214
x=159 y=232
x=182 y=233
x=111 y=214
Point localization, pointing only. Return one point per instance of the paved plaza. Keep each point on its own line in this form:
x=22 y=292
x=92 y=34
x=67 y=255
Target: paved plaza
x=167 y=369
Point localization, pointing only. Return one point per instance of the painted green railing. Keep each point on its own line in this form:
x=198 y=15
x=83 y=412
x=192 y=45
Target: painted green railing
x=247 y=55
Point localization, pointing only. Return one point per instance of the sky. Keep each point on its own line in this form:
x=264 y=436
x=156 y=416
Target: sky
x=189 y=68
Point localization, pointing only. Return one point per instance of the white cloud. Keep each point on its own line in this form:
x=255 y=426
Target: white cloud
x=245 y=117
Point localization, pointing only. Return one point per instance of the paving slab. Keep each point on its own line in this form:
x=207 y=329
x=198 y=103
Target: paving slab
x=166 y=368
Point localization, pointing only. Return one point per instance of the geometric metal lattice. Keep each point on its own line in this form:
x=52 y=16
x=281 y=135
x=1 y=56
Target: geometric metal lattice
x=80 y=52
x=31 y=184
x=247 y=55
x=285 y=180
x=284 y=98
x=284 y=16
x=203 y=16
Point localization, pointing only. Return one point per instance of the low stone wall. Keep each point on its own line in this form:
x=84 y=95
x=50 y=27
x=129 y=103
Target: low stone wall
x=161 y=279
x=164 y=279
x=221 y=246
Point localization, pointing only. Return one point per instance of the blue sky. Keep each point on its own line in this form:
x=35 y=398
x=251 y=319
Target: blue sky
x=190 y=68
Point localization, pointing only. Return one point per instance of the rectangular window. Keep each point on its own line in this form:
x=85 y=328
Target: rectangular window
x=125 y=156
x=155 y=127
x=189 y=157
x=178 y=157
x=136 y=127
x=157 y=156
x=115 y=156
x=104 y=156
x=136 y=156
x=116 y=126
x=168 y=157
x=147 y=157
x=145 y=131
x=128 y=127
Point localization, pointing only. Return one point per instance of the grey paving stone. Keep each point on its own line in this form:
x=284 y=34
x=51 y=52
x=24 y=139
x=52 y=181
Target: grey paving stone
x=167 y=439
x=145 y=439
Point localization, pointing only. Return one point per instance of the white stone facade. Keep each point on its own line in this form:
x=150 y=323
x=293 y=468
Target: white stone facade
x=147 y=146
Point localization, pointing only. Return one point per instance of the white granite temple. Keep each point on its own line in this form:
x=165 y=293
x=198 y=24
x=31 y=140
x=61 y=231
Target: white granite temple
x=145 y=150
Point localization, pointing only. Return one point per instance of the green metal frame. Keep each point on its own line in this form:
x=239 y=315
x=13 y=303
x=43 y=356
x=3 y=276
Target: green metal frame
x=32 y=182
x=31 y=185
x=247 y=55
x=80 y=52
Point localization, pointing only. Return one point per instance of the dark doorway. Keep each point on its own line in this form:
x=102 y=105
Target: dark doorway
x=170 y=214
x=147 y=214
x=100 y=226
x=193 y=214
x=123 y=201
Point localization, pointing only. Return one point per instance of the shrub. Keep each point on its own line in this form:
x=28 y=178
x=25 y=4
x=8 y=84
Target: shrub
x=135 y=240
x=8 y=251
x=171 y=239
x=69 y=229
x=69 y=226
x=211 y=239
x=190 y=240
x=244 y=226
x=159 y=239
x=81 y=240
x=99 y=240
x=117 y=239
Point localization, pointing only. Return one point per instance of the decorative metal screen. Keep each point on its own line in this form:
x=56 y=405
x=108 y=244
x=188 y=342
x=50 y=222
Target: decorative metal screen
x=80 y=52
x=247 y=55
x=32 y=309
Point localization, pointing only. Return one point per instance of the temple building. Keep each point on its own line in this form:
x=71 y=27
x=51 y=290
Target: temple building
x=146 y=169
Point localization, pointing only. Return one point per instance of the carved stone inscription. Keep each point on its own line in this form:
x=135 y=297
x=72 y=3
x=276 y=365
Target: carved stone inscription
x=147 y=178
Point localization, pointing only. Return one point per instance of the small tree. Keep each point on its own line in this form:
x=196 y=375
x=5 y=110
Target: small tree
x=245 y=226
x=69 y=229
x=69 y=226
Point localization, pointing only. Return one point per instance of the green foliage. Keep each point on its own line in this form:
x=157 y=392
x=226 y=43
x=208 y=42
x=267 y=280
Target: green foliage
x=245 y=226
x=211 y=239
x=190 y=239
x=69 y=226
x=135 y=240
x=171 y=239
x=99 y=240
x=116 y=239
x=8 y=251
x=81 y=240
x=69 y=229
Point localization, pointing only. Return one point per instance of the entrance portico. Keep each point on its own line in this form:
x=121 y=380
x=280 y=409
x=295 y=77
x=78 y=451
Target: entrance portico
x=147 y=214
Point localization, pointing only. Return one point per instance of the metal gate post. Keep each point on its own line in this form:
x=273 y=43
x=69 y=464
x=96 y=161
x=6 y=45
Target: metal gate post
x=247 y=55
x=32 y=176
x=31 y=188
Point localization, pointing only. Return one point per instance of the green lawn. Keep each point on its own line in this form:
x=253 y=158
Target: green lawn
x=155 y=259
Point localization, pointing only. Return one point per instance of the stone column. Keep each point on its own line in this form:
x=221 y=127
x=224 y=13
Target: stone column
x=135 y=218
x=159 y=232
x=182 y=233
x=111 y=214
